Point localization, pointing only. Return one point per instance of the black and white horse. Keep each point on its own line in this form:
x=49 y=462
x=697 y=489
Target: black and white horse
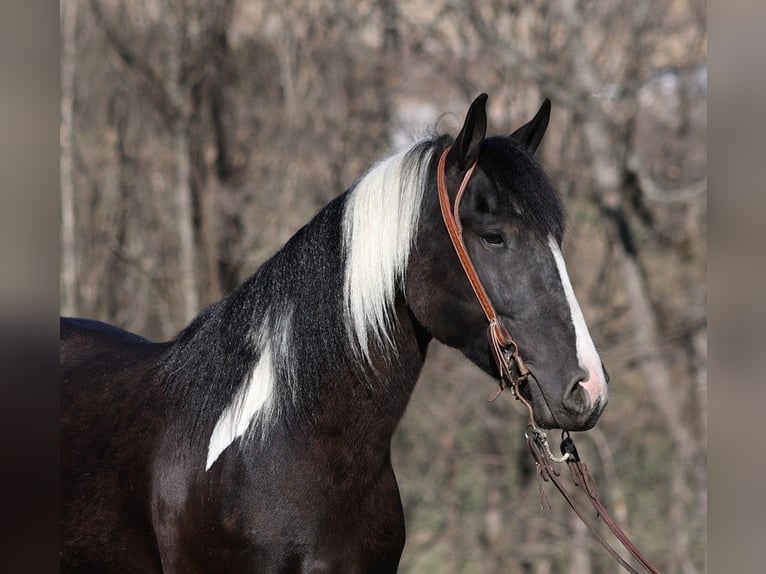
x=258 y=440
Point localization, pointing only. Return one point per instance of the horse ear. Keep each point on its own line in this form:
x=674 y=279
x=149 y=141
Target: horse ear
x=531 y=134
x=472 y=133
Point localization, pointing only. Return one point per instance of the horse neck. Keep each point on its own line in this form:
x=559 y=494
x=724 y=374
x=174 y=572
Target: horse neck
x=369 y=400
x=341 y=390
x=345 y=429
x=321 y=388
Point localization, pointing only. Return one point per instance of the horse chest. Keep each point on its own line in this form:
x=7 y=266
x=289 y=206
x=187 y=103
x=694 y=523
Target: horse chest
x=290 y=517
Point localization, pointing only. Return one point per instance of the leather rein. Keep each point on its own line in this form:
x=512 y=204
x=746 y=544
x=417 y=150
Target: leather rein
x=514 y=373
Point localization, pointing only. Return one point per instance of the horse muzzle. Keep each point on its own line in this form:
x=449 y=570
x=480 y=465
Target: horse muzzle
x=576 y=409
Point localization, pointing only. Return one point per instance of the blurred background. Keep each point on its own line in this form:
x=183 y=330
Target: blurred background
x=181 y=122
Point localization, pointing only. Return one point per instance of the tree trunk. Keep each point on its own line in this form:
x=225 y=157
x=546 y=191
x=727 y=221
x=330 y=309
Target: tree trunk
x=68 y=216
x=184 y=216
x=184 y=220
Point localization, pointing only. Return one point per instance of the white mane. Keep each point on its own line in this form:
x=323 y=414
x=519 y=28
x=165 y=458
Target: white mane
x=379 y=226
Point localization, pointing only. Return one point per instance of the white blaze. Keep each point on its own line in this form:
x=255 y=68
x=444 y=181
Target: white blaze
x=587 y=355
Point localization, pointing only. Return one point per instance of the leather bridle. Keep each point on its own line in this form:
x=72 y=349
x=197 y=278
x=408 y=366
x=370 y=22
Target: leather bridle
x=510 y=365
x=514 y=372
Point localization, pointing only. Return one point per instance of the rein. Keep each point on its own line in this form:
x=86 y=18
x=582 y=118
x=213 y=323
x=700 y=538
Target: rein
x=514 y=373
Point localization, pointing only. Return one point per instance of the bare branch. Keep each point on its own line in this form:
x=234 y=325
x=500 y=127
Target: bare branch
x=146 y=76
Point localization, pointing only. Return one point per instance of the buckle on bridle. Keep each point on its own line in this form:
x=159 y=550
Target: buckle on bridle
x=511 y=367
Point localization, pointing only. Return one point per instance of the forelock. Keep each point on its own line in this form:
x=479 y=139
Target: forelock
x=531 y=194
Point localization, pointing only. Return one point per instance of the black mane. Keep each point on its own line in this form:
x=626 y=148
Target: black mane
x=220 y=345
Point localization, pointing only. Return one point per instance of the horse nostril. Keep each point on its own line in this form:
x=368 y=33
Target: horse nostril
x=606 y=373
x=576 y=398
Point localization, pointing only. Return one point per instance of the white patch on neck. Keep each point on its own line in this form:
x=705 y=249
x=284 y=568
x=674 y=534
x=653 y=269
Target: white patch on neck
x=254 y=398
x=379 y=225
x=587 y=355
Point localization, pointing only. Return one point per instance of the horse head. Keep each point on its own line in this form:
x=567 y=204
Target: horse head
x=512 y=228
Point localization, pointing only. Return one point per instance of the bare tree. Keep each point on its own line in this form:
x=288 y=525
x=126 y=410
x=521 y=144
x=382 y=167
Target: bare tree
x=68 y=214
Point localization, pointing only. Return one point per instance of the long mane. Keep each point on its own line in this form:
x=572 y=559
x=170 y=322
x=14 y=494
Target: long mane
x=379 y=226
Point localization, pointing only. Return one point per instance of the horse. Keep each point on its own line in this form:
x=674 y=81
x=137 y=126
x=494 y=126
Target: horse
x=259 y=438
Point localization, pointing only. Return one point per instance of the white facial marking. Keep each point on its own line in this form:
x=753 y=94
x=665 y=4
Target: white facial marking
x=587 y=355
x=251 y=399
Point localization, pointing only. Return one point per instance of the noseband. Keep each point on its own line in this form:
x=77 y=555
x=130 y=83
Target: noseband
x=514 y=372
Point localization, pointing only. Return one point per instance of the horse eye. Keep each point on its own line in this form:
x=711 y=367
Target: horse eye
x=493 y=239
